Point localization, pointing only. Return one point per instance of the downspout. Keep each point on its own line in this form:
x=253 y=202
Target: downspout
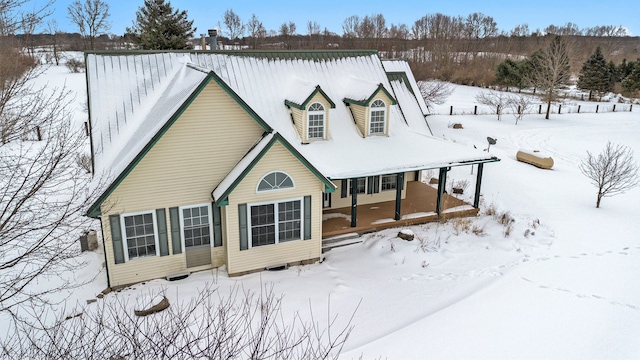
x=104 y=249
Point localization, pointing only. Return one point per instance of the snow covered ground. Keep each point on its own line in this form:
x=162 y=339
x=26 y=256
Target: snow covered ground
x=560 y=281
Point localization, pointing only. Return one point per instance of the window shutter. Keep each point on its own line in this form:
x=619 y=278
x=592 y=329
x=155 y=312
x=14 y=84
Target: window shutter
x=307 y=217
x=217 y=225
x=376 y=184
x=343 y=189
x=161 y=216
x=116 y=238
x=370 y=185
x=242 y=220
x=174 y=218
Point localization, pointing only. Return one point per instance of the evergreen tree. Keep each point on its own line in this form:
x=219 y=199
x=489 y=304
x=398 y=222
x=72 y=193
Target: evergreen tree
x=510 y=73
x=596 y=75
x=631 y=84
x=159 y=27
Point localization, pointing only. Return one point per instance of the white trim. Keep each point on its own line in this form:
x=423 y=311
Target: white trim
x=271 y=172
x=275 y=211
x=126 y=240
x=324 y=121
x=181 y=219
x=384 y=116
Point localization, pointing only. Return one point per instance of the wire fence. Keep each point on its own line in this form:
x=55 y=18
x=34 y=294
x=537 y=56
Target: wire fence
x=539 y=109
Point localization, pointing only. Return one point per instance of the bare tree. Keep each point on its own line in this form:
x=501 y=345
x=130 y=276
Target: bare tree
x=520 y=30
x=256 y=30
x=497 y=100
x=613 y=171
x=14 y=17
x=235 y=27
x=313 y=28
x=550 y=69
x=92 y=19
x=42 y=189
x=520 y=105
x=435 y=92
x=350 y=26
x=240 y=325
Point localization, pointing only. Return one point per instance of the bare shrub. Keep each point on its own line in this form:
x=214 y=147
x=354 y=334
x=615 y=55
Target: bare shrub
x=435 y=92
x=613 y=171
x=242 y=325
x=461 y=225
x=520 y=105
x=478 y=230
x=84 y=162
x=490 y=210
x=496 y=100
x=75 y=66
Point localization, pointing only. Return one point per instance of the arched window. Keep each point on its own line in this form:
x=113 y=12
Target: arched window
x=315 y=121
x=274 y=181
x=377 y=117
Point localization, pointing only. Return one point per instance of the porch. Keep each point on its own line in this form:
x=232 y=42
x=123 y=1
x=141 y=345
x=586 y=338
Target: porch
x=419 y=206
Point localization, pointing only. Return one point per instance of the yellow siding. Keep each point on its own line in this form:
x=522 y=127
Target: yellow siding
x=364 y=199
x=300 y=117
x=299 y=120
x=182 y=168
x=278 y=158
x=361 y=114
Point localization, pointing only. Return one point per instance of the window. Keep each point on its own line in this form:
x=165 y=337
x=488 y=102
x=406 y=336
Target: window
x=362 y=186
x=274 y=181
x=315 y=122
x=377 y=119
x=388 y=182
x=196 y=226
x=275 y=222
x=140 y=235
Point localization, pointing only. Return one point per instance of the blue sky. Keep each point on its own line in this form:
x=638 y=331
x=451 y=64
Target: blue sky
x=331 y=13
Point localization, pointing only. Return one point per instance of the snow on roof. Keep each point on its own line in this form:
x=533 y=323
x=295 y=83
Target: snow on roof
x=401 y=66
x=241 y=166
x=131 y=99
x=146 y=89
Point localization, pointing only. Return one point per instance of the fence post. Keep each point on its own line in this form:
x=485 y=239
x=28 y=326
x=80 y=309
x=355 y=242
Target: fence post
x=451 y=110
x=597 y=106
x=579 y=109
x=630 y=107
x=559 y=108
x=475 y=110
x=614 y=107
x=540 y=109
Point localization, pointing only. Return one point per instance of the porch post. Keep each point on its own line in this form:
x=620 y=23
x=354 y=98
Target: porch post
x=399 y=185
x=476 y=199
x=354 y=201
x=442 y=182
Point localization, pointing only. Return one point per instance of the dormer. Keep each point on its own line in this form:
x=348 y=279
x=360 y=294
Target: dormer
x=371 y=114
x=311 y=116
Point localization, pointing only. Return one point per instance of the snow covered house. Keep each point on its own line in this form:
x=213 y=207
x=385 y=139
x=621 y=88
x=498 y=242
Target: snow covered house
x=231 y=158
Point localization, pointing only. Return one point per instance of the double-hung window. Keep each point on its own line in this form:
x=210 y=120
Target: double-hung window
x=388 y=182
x=140 y=235
x=276 y=222
x=377 y=112
x=361 y=185
x=315 y=122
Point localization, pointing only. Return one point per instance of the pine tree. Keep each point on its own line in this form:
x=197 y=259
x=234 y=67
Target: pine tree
x=631 y=84
x=159 y=27
x=596 y=75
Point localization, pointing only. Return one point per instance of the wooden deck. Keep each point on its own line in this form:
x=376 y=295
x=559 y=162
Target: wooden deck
x=419 y=207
